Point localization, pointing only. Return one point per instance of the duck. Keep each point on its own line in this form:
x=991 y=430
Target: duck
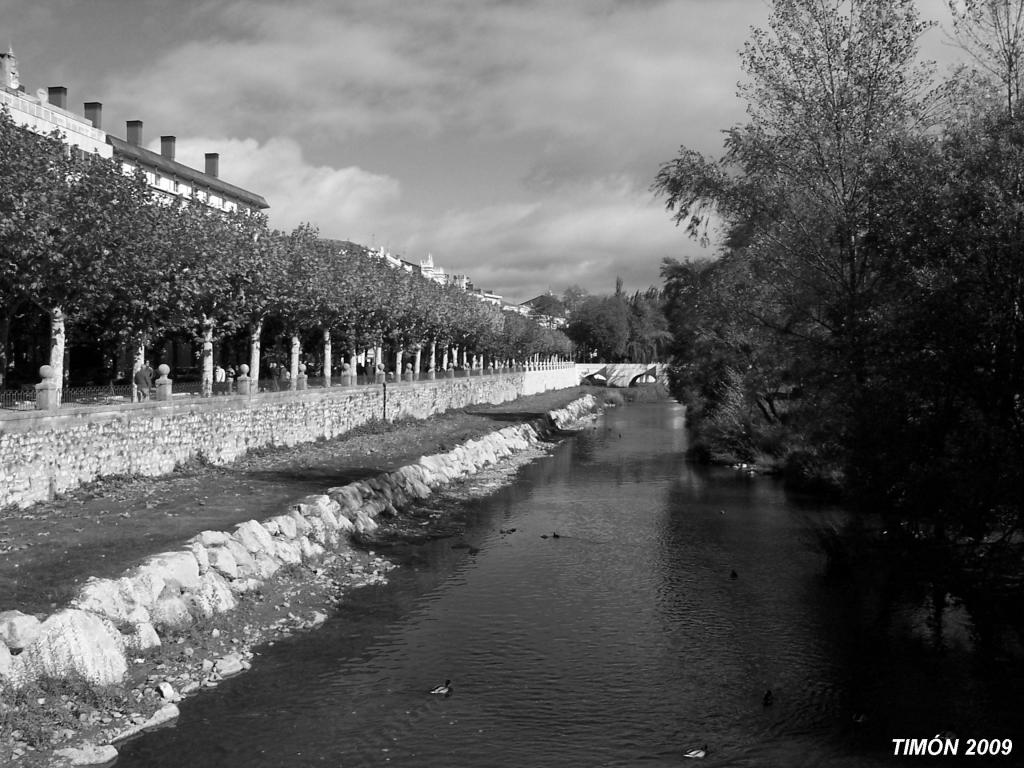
x=768 y=699
x=555 y=535
x=697 y=752
x=733 y=575
x=443 y=690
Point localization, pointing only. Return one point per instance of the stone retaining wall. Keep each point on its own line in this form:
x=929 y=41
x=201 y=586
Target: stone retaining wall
x=44 y=453
x=110 y=619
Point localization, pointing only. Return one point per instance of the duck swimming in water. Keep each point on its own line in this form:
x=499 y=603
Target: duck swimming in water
x=697 y=752
x=443 y=690
x=768 y=699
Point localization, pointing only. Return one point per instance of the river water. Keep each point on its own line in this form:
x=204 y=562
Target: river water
x=623 y=642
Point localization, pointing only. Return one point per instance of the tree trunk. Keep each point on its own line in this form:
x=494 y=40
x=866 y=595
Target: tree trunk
x=293 y=369
x=327 y=357
x=57 y=345
x=5 y=332
x=255 y=331
x=418 y=361
x=207 y=379
x=399 y=355
x=433 y=356
x=444 y=358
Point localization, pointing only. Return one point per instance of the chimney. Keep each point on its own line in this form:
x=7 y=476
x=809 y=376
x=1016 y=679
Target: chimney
x=135 y=132
x=58 y=96
x=212 y=164
x=167 y=147
x=94 y=112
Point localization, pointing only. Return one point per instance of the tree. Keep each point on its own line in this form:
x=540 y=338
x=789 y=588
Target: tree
x=600 y=328
x=992 y=33
x=832 y=85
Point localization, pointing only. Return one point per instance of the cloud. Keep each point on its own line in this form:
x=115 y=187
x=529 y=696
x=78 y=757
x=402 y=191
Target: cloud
x=340 y=201
x=585 y=234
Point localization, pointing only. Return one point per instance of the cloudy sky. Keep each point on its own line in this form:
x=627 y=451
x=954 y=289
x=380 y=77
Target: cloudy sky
x=514 y=140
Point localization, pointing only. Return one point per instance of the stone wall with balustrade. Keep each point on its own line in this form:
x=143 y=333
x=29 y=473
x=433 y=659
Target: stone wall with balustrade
x=47 y=452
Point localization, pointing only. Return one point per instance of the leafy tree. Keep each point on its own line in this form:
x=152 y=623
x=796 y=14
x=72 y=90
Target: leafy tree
x=832 y=85
x=600 y=328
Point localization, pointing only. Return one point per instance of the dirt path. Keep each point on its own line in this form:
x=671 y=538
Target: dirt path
x=101 y=530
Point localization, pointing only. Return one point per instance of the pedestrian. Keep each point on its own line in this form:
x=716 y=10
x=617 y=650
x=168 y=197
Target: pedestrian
x=143 y=381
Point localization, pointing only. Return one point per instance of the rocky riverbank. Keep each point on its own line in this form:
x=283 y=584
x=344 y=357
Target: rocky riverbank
x=118 y=659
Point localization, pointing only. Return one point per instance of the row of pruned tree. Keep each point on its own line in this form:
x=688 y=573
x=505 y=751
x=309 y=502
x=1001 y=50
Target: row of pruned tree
x=865 y=322
x=112 y=264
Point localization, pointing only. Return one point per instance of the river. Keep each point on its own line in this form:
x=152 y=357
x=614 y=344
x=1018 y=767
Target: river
x=625 y=641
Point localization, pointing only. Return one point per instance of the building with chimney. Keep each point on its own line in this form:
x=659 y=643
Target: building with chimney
x=47 y=111
x=171 y=179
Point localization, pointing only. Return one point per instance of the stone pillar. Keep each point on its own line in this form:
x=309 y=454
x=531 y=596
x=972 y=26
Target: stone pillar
x=47 y=390
x=449 y=372
x=407 y=376
x=300 y=380
x=379 y=376
x=347 y=377
x=163 y=384
x=243 y=382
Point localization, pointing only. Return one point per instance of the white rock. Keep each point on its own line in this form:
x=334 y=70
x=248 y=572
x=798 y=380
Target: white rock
x=254 y=537
x=200 y=554
x=74 y=642
x=223 y=562
x=142 y=637
x=6 y=663
x=212 y=538
x=166 y=691
x=364 y=523
x=213 y=596
x=289 y=552
x=18 y=629
x=317 y=530
x=177 y=569
x=87 y=754
x=243 y=586
x=311 y=552
x=143 y=586
x=171 y=612
x=228 y=665
x=243 y=559
x=285 y=525
x=103 y=597
x=268 y=563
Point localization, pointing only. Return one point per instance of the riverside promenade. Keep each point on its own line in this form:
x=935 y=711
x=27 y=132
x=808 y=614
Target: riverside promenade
x=161 y=513
x=48 y=549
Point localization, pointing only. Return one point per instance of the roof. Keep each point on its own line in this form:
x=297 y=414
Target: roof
x=185 y=173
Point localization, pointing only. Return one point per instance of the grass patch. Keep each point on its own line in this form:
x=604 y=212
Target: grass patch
x=39 y=713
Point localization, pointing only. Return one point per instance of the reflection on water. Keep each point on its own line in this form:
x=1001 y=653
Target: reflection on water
x=622 y=642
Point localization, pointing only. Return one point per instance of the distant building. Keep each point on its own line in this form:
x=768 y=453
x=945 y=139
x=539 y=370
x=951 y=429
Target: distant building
x=432 y=272
x=547 y=309
x=488 y=297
